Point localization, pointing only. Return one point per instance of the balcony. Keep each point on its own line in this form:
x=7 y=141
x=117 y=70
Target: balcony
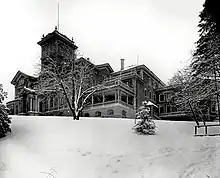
x=119 y=83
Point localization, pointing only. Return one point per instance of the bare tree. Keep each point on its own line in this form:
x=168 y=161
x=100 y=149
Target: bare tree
x=182 y=96
x=73 y=79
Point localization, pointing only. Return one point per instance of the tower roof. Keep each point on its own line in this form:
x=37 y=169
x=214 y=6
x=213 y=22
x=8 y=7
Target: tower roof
x=57 y=35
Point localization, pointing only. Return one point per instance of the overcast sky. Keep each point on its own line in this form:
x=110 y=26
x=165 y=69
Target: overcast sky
x=161 y=32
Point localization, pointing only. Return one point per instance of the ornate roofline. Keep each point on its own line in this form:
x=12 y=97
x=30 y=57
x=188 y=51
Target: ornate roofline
x=59 y=35
x=107 y=65
x=19 y=74
x=138 y=67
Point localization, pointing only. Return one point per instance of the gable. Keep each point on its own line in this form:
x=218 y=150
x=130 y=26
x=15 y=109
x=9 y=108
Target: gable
x=19 y=78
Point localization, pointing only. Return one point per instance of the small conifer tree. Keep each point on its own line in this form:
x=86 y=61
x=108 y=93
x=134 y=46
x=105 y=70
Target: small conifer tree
x=145 y=124
x=5 y=121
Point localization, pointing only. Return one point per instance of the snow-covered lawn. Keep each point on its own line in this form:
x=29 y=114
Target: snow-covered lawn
x=105 y=148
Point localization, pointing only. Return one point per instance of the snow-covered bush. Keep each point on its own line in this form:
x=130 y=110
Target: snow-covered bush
x=145 y=124
x=5 y=121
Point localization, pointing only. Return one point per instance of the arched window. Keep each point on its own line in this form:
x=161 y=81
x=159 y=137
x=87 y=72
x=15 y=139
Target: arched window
x=124 y=113
x=87 y=115
x=56 y=103
x=98 y=114
x=110 y=112
x=51 y=102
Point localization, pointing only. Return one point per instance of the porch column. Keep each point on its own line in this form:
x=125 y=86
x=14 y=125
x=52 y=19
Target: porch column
x=36 y=104
x=135 y=93
x=33 y=103
x=20 y=103
x=58 y=102
x=61 y=102
x=14 y=103
x=103 y=98
x=54 y=98
x=31 y=107
x=119 y=96
x=92 y=100
x=208 y=113
x=127 y=98
x=116 y=96
x=48 y=103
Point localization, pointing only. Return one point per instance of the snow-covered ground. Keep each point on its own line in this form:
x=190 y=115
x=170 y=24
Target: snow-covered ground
x=105 y=148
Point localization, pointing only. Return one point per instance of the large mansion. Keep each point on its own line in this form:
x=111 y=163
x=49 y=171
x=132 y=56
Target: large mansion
x=130 y=87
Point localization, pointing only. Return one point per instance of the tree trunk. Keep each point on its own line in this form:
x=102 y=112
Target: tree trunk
x=217 y=96
x=78 y=114
x=77 y=117
x=194 y=115
x=74 y=114
x=73 y=89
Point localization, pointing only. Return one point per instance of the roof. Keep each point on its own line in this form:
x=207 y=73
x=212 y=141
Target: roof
x=105 y=65
x=137 y=67
x=100 y=66
x=82 y=59
x=29 y=90
x=19 y=74
x=57 y=34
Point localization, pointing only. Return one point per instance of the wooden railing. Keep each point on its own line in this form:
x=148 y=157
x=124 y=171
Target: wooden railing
x=120 y=83
x=173 y=113
x=110 y=102
x=206 y=130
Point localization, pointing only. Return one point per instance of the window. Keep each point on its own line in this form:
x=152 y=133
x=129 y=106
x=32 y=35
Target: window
x=131 y=100
x=56 y=102
x=88 y=101
x=168 y=96
x=168 y=109
x=213 y=109
x=98 y=98
x=110 y=112
x=123 y=97
x=154 y=97
x=61 y=101
x=150 y=95
x=123 y=114
x=87 y=115
x=98 y=114
x=21 y=81
x=174 y=109
x=161 y=109
x=145 y=92
x=51 y=102
x=109 y=96
x=45 y=102
x=41 y=106
x=161 y=98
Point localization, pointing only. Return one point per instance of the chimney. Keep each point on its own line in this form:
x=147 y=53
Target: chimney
x=122 y=64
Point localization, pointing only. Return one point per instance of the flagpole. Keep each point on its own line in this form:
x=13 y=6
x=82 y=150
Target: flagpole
x=58 y=16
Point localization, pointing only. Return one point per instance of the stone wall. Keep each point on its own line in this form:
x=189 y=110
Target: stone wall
x=106 y=111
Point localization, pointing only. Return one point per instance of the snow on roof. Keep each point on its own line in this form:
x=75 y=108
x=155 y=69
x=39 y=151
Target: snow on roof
x=29 y=89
